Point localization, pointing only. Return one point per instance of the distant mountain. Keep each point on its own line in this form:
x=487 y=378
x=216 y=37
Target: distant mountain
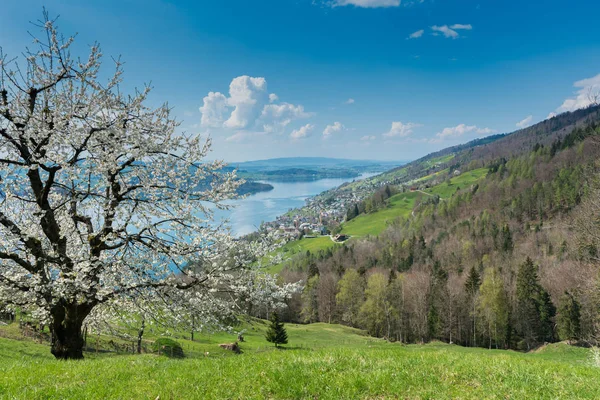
x=312 y=162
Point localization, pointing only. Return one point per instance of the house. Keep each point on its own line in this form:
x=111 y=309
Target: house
x=340 y=238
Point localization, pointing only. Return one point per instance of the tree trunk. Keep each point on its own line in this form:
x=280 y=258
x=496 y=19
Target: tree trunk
x=141 y=335
x=67 y=337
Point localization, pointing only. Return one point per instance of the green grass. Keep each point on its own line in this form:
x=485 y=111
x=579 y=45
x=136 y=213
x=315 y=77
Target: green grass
x=301 y=246
x=463 y=181
x=400 y=206
x=321 y=361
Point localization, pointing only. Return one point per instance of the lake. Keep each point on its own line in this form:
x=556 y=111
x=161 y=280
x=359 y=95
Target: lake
x=251 y=211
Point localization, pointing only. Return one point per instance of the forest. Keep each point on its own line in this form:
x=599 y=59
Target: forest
x=508 y=262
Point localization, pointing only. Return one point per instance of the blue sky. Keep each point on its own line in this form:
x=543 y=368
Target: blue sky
x=340 y=78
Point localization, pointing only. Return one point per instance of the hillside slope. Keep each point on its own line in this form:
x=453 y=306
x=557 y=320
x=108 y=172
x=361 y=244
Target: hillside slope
x=455 y=244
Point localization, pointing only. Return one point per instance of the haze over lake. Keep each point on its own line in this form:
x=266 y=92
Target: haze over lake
x=249 y=212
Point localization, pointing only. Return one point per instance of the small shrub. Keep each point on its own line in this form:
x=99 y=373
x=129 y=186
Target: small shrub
x=168 y=347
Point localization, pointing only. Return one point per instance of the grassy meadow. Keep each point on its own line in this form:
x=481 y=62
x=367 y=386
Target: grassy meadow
x=320 y=362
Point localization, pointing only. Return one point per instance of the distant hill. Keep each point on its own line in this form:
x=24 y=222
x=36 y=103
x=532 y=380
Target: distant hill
x=312 y=162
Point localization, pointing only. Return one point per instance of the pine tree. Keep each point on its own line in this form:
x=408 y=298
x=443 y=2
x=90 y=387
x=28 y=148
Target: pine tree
x=507 y=242
x=312 y=270
x=547 y=312
x=569 y=315
x=472 y=286
x=535 y=311
x=276 y=332
x=473 y=281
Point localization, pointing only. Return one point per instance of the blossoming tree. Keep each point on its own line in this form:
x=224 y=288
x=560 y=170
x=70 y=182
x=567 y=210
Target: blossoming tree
x=100 y=199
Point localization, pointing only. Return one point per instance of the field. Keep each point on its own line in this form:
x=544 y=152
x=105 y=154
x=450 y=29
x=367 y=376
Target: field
x=321 y=361
x=400 y=206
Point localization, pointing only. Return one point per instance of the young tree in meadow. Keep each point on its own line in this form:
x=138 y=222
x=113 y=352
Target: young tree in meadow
x=276 y=332
x=350 y=296
x=100 y=200
x=492 y=306
x=569 y=318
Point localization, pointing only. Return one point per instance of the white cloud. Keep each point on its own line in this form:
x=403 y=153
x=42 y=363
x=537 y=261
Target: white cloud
x=450 y=32
x=417 y=34
x=366 y=3
x=302 y=132
x=551 y=115
x=588 y=94
x=459 y=130
x=467 y=27
x=525 y=122
x=214 y=110
x=246 y=95
x=400 y=129
x=331 y=129
x=367 y=138
x=248 y=107
x=349 y=101
x=275 y=117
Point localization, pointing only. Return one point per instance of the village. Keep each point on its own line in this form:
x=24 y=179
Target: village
x=323 y=214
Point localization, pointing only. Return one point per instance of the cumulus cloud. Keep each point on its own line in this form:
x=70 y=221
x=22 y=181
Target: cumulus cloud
x=460 y=130
x=367 y=138
x=249 y=106
x=214 y=110
x=275 y=117
x=588 y=93
x=349 y=101
x=525 y=122
x=302 y=132
x=331 y=129
x=400 y=129
x=551 y=115
x=450 y=31
x=246 y=95
x=366 y=3
x=417 y=34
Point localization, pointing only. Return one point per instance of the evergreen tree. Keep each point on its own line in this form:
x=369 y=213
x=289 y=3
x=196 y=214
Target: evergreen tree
x=472 y=287
x=535 y=310
x=569 y=315
x=276 y=332
x=312 y=270
x=547 y=314
x=473 y=281
x=507 y=242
